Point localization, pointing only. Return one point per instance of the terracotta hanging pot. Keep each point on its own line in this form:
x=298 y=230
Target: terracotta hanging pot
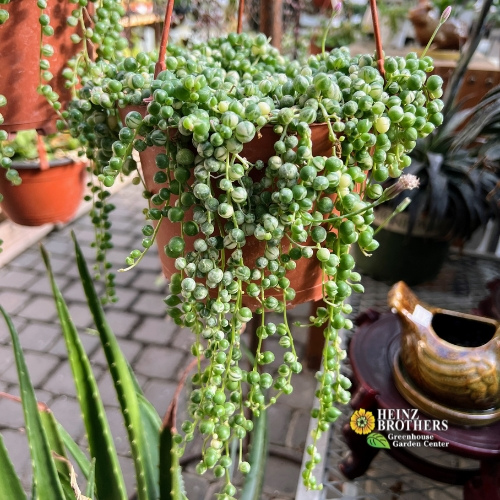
x=49 y=195
x=19 y=46
x=307 y=278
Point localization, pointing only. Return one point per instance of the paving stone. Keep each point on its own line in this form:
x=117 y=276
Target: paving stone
x=160 y=393
x=39 y=309
x=89 y=342
x=150 y=304
x=59 y=245
x=61 y=381
x=277 y=415
x=126 y=297
x=182 y=338
x=302 y=396
x=84 y=234
x=67 y=412
x=297 y=432
x=196 y=486
x=26 y=260
x=146 y=281
x=123 y=240
x=107 y=390
x=19 y=324
x=118 y=431
x=121 y=322
x=11 y=412
x=159 y=362
x=15 y=278
x=17 y=446
x=58 y=263
x=39 y=336
x=81 y=315
x=74 y=291
x=130 y=348
x=151 y=261
x=42 y=286
x=40 y=365
x=123 y=279
x=117 y=257
x=13 y=300
x=155 y=331
x=128 y=470
x=281 y=476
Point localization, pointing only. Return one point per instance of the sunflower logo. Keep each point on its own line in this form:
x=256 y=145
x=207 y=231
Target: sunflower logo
x=362 y=421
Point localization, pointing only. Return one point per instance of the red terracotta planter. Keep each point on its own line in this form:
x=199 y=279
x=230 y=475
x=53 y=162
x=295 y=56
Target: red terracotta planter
x=306 y=279
x=19 y=47
x=45 y=196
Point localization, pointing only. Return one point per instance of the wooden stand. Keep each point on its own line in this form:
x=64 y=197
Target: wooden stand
x=371 y=352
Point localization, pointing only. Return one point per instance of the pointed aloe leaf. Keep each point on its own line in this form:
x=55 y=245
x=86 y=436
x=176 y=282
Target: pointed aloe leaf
x=151 y=427
x=10 y=486
x=254 y=481
x=109 y=478
x=56 y=445
x=90 y=491
x=171 y=482
x=45 y=477
x=74 y=450
x=146 y=471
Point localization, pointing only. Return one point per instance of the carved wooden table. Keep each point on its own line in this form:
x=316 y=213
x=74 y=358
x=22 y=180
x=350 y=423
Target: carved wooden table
x=371 y=351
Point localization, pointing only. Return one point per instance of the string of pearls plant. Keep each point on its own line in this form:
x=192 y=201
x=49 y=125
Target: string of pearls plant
x=201 y=112
x=96 y=30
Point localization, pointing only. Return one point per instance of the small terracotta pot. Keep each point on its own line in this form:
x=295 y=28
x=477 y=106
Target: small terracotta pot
x=306 y=279
x=44 y=196
x=19 y=46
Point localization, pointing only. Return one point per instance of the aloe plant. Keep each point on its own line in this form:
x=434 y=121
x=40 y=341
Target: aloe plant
x=53 y=451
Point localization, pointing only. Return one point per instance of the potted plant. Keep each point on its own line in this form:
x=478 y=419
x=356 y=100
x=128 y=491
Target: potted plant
x=45 y=180
x=458 y=168
x=237 y=219
x=57 y=43
x=154 y=444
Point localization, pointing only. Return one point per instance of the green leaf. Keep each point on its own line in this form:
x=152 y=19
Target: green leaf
x=109 y=478
x=89 y=492
x=254 y=480
x=45 y=477
x=10 y=486
x=146 y=471
x=77 y=454
x=376 y=440
x=171 y=482
x=56 y=445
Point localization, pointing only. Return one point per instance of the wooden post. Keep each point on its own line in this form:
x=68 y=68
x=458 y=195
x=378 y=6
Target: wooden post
x=271 y=20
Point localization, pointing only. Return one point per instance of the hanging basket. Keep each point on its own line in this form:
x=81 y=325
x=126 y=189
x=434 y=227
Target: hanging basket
x=48 y=195
x=307 y=277
x=19 y=46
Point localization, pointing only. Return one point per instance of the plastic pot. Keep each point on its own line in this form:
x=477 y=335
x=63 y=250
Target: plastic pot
x=45 y=196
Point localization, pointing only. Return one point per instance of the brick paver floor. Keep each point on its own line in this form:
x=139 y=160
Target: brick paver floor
x=156 y=348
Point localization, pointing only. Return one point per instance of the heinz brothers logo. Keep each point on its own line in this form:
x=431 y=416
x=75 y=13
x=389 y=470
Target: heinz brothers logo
x=401 y=427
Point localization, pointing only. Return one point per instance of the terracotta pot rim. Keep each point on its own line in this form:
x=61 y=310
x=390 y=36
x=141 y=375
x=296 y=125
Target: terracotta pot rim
x=35 y=165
